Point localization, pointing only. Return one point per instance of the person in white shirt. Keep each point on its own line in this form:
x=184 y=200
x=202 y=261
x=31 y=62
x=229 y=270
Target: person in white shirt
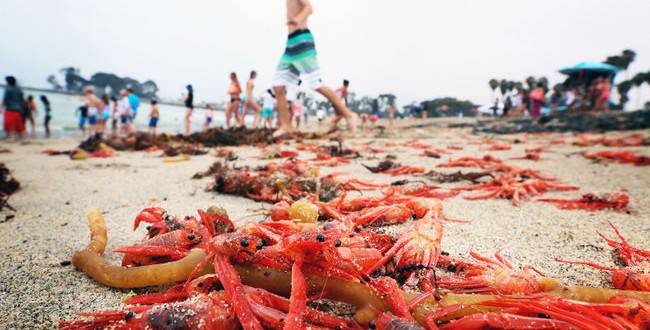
x=125 y=113
x=268 y=104
x=320 y=115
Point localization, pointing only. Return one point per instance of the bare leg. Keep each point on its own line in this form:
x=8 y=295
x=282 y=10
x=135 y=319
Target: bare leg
x=228 y=114
x=188 y=114
x=243 y=113
x=340 y=108
x=235 y=110
x=258 y=110
x=284 y=121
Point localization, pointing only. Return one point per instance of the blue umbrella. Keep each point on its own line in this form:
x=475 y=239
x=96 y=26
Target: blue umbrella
x=590 y=67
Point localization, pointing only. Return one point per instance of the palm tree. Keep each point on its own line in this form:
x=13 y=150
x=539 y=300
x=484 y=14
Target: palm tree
x=493 y=85
x=638 y=81
x=503 y=87
x=623 y=88
x=531 y=82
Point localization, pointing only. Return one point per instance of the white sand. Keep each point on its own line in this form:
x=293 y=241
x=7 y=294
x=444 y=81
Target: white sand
x=36 y=291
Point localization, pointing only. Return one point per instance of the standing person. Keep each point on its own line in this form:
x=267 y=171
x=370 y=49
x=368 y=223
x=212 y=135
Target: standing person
x=83 y=116
x=154 y=115
x=391 y=115
x=537 y=99
x=13 y=103
x=134 y=103
x=92 y=106
x=250 y=102
x=555 y=100
x=507 y=105
x=320 y=115
x=342 y=92
x=300 y=58
x=189 y=107
x=209 y=116
x=515 y=103
x=115 y=116
x=296 y=108
x=30 y=107
x=235 y=100
x=125 y=112
x=105 y=113
x=48 y=114
x=268 y=104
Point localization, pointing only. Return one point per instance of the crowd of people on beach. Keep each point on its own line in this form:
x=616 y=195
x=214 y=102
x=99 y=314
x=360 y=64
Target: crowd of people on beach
x=18 y=110
x=591 y=96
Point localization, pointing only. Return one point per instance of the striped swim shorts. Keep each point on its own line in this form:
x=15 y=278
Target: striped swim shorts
x=299 y=59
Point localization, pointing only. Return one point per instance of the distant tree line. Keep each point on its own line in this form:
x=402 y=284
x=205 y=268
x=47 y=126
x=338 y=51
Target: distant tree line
x=103 y=82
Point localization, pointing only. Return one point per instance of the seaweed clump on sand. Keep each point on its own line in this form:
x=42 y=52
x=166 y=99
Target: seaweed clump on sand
x=569 y=122
x=270 y=183
x=8 y=185
x=236 y=136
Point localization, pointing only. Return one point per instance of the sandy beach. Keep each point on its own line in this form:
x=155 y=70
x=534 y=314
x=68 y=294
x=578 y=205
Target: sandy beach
x=38 y=289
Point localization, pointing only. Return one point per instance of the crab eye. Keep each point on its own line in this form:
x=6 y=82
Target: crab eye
x=320 y=238
x=337 y=243
x=244 y=242
x=191 y=237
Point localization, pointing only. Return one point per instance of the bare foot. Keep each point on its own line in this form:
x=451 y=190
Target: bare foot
x=281 y=133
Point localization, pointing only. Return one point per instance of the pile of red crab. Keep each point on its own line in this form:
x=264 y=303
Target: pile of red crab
x=322 y=247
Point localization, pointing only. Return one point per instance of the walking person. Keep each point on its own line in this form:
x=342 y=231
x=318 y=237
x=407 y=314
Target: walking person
x=297 y=108
x=154 y=115
x=47 y=107
x=250 y=102
x=105 y=114
x=125 y=112
x=300 y=58
x=92 y=106
x=115 y=116
x=134 y=103
x=235 y=100
x=189 y=108
x=268 y=104
x=30 y=112
x=13 y=105
x=209 y=116
x=537 y=99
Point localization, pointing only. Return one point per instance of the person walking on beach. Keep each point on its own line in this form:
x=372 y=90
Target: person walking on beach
x=134 y=102
x=125 y=112
x=391 y=115
x=300 y=58
x=250 y=102
x=47 y=107
x=268 y=104
x=13 y=105
x=209 y=116
x=30 y=111
x=537 y=99
x=154 y=115
x=105 y=114
x=115 y=116
x=297 y=108
x=83 y=116
x=235 y=100
x=92 y=106
x=189 y=107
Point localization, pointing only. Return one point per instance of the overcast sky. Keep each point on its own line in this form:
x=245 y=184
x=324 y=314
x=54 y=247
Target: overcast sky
x=416 y=49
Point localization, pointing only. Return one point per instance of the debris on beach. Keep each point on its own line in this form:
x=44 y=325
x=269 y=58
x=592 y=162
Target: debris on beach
x=8 y=186
x=619 y=156
x=261 y=275
x=591 y=202
x=569 y=122
x=388 y=166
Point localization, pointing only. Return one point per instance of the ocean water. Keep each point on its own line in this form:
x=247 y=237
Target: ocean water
x=64 y=121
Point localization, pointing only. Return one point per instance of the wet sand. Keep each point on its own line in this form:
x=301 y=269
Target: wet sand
x=38 y=289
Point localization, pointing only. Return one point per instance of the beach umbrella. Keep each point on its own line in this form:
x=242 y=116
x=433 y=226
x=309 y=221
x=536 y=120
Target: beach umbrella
x=590 y=67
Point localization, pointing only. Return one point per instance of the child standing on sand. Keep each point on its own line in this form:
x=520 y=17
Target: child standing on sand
x=268 y=103
x=209 y=115
x=300 y=58
x=155 y=115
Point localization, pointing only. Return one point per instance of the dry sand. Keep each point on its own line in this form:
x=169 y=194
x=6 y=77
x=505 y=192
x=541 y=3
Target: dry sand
x=36 y=290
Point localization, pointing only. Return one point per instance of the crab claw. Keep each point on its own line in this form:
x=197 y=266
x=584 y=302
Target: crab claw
x=149 y=215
